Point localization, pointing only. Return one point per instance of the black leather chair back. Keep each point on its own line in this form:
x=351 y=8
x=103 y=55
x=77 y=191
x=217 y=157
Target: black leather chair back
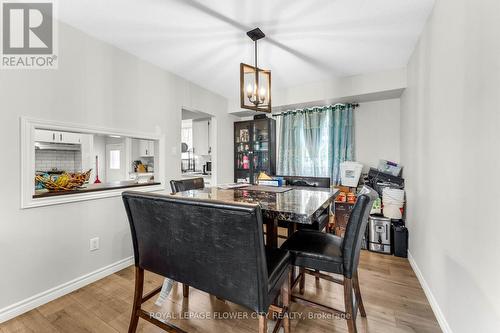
x=214 y=247
x=323 y=182
x=355 y=230
x=187 y=184
x=318 y=182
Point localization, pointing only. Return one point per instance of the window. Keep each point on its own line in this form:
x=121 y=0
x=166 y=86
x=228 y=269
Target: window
x=187 y=136
x=114 y=159
x=313 y=142
x=66 y=163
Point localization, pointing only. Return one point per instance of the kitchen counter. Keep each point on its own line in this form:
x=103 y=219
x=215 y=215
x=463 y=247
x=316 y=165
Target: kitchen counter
x=93 y=188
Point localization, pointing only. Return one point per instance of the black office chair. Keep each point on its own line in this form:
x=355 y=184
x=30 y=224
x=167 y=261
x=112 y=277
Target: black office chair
x=187 y=184
x=225 y=257
x=314 y=251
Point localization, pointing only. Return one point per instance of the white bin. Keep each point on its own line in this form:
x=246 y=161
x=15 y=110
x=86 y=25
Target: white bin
x=393 y=202
x=393 y=211
x=393 y=195
x=350 y=173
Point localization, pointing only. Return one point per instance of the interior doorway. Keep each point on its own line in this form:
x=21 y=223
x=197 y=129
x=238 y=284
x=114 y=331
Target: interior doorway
x=197 y=141
x=115 y=162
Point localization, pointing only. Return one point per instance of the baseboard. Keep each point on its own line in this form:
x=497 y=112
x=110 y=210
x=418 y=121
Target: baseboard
x=35 y=301
x=430 y=297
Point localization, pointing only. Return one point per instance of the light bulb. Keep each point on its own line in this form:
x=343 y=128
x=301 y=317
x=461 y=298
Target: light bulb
x=249 y=90
x=262 y=94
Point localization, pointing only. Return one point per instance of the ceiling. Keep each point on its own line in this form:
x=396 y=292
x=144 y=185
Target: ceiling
x=307 y=41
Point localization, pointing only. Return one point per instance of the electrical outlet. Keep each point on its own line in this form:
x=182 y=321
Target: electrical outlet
x=94 y=244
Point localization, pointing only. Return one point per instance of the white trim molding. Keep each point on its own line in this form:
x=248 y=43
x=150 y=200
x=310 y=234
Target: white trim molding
x=35 y=301
x=445 y=327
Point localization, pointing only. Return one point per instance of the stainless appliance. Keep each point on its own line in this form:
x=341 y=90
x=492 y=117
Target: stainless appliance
x=364 y=242
x=207 y=168
x=379 y=234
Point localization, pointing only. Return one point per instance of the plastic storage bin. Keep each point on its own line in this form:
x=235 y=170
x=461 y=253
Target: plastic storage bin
x=393 y=202
x=350 y=173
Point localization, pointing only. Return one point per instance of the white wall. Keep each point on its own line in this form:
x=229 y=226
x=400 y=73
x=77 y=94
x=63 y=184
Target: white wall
x=357 y=88
x=339 y=88
x=449 y=145
x=96 y=84
x=376 y=132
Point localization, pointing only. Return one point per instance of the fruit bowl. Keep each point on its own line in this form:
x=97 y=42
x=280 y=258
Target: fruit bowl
x=64 y=182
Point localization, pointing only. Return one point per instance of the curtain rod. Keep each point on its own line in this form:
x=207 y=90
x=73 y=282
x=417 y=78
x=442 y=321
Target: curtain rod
x=314 y=108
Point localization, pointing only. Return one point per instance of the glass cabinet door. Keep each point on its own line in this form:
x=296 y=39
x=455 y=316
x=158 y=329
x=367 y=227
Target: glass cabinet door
x=254 y=149
x=243 y=151
x=261 y=146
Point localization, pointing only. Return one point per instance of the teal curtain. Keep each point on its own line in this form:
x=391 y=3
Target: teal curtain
x=313 y=142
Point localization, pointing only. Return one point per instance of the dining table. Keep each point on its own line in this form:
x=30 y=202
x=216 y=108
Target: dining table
x=292 y=205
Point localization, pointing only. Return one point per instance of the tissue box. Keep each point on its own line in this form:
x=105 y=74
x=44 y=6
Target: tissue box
x=271 y=182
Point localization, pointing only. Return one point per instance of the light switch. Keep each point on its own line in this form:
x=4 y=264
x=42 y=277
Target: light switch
x=94 y=244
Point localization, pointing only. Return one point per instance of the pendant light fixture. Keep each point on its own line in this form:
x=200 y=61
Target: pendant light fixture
x=255 y=83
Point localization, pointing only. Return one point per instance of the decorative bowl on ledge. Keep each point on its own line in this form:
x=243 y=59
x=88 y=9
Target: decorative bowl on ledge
x=64 y=182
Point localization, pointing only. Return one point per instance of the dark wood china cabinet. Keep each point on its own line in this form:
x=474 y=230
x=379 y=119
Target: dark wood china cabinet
x=254 y=149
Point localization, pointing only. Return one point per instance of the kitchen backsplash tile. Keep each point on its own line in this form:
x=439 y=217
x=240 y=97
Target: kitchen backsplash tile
x=70 y=161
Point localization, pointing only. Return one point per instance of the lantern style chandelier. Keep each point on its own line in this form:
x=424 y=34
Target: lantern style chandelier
x=255 y=83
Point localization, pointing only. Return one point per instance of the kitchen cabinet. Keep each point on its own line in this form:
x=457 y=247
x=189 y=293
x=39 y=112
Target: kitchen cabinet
x=201 y=137
x=146 y=148
x=57 y=137
x=68 y=137
x=45 y=136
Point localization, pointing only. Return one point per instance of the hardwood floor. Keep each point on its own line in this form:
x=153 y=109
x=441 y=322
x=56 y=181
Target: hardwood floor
x=393 y=299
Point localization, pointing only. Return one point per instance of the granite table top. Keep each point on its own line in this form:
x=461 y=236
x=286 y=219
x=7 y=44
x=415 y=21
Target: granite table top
x=299 y=205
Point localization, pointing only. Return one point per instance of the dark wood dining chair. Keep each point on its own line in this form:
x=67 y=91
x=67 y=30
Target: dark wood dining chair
x=321 y=182
x=322 y=222
x=313 y=251
x=225 y=257
x=187 y=184
x=181 y=186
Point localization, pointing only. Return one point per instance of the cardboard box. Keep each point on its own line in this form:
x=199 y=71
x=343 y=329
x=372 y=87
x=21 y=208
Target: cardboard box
x=342 y=212
x=343 y=188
